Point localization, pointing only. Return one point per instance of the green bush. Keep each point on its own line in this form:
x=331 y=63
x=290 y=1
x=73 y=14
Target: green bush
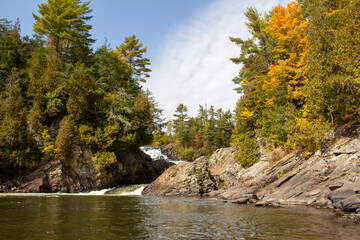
x=186 y=153
x=247 y=148
x=54 y=104
x=103 y=159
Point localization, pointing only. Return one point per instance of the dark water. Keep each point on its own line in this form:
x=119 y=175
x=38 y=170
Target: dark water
x=142 y=217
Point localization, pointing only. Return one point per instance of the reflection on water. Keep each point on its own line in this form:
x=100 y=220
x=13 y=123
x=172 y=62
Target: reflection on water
x=142 y=217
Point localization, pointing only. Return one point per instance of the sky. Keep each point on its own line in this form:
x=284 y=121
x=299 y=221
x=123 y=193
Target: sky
x=187 y=42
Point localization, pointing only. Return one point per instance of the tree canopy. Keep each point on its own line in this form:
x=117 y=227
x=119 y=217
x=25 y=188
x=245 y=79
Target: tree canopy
x=56 y=93
x=63 y=22
x=298 y=77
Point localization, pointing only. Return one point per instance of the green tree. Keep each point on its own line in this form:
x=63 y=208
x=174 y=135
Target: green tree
x=256 y=57
x=142 y=119
x=17 y=148
x=82 y=90
x=333 y=89
x=180 y=124
x=64 y=140
x=256 y=54
x=64 y=23
x=111 y=70
x=201 y=135
x=14 y=51
x=132 y=51
x=223 y=129
x=45 y=90
x=157 y=123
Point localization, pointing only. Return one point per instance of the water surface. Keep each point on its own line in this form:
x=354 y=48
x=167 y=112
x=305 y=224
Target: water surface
x=143 y=217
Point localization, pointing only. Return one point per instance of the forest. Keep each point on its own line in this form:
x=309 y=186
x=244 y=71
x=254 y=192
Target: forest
x=299 y=77
x=56 y=91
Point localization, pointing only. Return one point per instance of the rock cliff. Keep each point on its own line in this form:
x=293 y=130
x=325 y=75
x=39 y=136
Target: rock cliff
x=329 y=179
x=81 y=175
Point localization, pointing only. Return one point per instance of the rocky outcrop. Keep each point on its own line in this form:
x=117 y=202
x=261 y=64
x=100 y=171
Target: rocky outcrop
x=169 y=151
x=329 y=179
x=199 y=177
x=81 y=175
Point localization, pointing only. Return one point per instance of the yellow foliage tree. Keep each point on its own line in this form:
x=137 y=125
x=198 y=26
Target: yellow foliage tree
x=288 y=27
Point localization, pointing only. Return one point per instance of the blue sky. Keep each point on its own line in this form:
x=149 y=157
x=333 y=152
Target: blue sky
x=149 y=20
x=187 y=40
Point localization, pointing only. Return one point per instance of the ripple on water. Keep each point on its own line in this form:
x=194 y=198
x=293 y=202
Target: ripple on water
x=134 y=217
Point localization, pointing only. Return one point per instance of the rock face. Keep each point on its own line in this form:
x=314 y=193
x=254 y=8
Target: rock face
x=169 y=151
x=135 y=167
x=329 y=179
x=199 y=177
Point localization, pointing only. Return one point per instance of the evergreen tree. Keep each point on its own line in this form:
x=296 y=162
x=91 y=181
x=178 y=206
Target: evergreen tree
x=201 y=135
x=256 y=54
x=180 y=125
x=14 y=51
x=132 y=50
x=224 y=128
x=111 y=70
x=17 y=148
x=64 y=23
x=256 y=57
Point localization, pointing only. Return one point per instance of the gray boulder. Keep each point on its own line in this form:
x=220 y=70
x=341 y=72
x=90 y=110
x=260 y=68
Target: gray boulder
x=351 y=204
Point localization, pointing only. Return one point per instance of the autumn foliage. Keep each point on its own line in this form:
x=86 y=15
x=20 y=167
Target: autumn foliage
x=299 y=76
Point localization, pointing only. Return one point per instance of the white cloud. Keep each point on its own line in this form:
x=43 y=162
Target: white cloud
x=193 y=67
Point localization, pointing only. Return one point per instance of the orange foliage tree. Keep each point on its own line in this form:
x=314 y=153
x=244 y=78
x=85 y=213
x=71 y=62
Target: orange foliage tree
x=289 y=28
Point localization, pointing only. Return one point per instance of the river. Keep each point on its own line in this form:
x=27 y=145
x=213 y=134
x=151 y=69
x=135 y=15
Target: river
x=82 y=216
x=123 y=213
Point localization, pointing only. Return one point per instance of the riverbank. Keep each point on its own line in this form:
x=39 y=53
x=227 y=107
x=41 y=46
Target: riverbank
x=81 y=175
x=329 y=179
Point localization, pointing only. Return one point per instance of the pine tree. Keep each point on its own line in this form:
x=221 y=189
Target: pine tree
x=256 y=57
x=63 y=22
x=180 y=123
x=132 y=51
x=17 y=148
x=256 y=54
x=14 y=50
x=111 y=69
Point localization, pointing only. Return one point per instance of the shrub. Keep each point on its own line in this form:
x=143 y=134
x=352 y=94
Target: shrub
x=48 y=147
x=186 y=153
x=54 y=104
x=103 y=159
x=247 y=148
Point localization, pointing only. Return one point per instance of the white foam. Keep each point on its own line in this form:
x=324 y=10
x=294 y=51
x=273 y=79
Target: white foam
x=136 y=192
x=96 y=192
x=156 y=154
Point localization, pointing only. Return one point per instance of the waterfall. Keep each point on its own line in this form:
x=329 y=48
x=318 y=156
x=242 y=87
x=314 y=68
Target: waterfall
x=156 y=154
x=123 y=190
